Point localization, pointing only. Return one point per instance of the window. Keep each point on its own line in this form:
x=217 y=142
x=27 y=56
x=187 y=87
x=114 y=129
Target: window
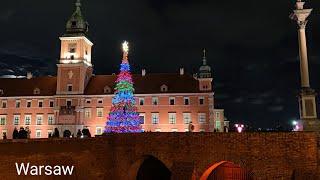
x=72 y=47
x=100 y=101
x=98 y=130
x=27 y=119
x=99 y=112
x=36 y=91
x=16 y=120
x=1 y=91
x=74 y=23
x=202 y=118
x=51 y=103
x=107 y=90
x=3 y=120
x=39 y=119
x=4 y=104
x=29 y=103
x=155 y=118
x=218 y=125
x=186 y=100
x=217 y=115
x=201 y=100
x=186 y=118
x=50 y=119
x=18 y=103
x=141 y=101
x=69 y=87
x=164 y=88
x=155 y=100
x=87 y=113
x=38 y=133
x=40 y=103
x=88 y=101
x=158 y=130
x=171 y=100
x=174 y=130
x=172 y=118
x=69 y=103
x=142 y=117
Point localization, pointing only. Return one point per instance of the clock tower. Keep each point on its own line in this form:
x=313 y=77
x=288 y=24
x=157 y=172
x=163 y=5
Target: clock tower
x=74 y=67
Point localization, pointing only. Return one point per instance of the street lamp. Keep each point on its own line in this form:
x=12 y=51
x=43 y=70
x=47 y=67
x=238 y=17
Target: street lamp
x=239 y=127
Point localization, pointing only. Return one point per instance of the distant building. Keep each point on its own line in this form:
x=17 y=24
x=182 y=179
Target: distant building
x=77 y=99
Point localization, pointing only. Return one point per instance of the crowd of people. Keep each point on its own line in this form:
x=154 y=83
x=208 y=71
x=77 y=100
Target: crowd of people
x=24 y=133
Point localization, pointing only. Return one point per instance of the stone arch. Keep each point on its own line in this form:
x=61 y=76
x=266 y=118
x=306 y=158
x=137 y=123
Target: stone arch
x=135 y=167
x=244 y=174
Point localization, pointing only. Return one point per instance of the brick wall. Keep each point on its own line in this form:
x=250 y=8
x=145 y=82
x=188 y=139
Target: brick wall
x=266 y=155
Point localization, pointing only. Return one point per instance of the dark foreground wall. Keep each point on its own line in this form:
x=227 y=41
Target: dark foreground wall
x=186 y=155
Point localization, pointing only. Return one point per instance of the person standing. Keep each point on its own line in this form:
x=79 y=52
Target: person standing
x=15 y=133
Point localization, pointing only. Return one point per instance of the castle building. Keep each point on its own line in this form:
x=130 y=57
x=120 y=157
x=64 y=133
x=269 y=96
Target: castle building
x=77 y=99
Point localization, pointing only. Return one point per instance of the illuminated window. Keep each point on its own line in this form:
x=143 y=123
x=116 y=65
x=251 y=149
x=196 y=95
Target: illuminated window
x=171 y=100
x=4 y=132
x=155 y=100
x=1 y=92
x=218 y=125
x=202 y=118
x=72 y=47
x=16 y=120
x=142 y=117
x=217 y=115
x=18 y=103
x=39 y=119
x=50 y=119
x=27 y=119
x=3 y=120
x=186 y=118
x=186 y=100
x=98 y=130
x=87 y=113
x=155 y=118
x=172 y=118
x=4 y=104
x=99 y=112
x=38 y=133
x=50 y=132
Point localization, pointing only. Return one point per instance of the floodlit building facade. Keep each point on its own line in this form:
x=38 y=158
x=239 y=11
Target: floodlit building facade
x=77 y=99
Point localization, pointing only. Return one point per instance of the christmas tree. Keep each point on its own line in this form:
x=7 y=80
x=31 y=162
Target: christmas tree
x=123 y=116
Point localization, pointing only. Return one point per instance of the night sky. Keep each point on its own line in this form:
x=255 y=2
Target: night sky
x=252 y=46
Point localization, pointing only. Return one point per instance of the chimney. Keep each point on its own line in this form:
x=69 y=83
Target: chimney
x=143 y=72
x=29 y=75
x=181 y=71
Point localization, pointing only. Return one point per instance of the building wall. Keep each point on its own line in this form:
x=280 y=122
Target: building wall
x=265 y=155
x=78 y=119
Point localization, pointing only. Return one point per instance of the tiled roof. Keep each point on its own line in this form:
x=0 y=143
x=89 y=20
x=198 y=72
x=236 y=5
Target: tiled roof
x=148 y=84
x=25 y=87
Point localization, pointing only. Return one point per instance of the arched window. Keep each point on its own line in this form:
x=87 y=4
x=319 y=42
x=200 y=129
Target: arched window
x=107 y=90
x=164 y=88
x=36 y=91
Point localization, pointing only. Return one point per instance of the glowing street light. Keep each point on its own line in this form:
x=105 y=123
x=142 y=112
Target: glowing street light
x=239 y=127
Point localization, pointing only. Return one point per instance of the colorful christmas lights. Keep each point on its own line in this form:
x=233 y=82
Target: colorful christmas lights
x=123 y=116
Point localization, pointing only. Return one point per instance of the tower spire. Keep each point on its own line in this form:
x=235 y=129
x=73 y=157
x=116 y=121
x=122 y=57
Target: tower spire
x=204 y=60
x=76 y=25
x=125 y=49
